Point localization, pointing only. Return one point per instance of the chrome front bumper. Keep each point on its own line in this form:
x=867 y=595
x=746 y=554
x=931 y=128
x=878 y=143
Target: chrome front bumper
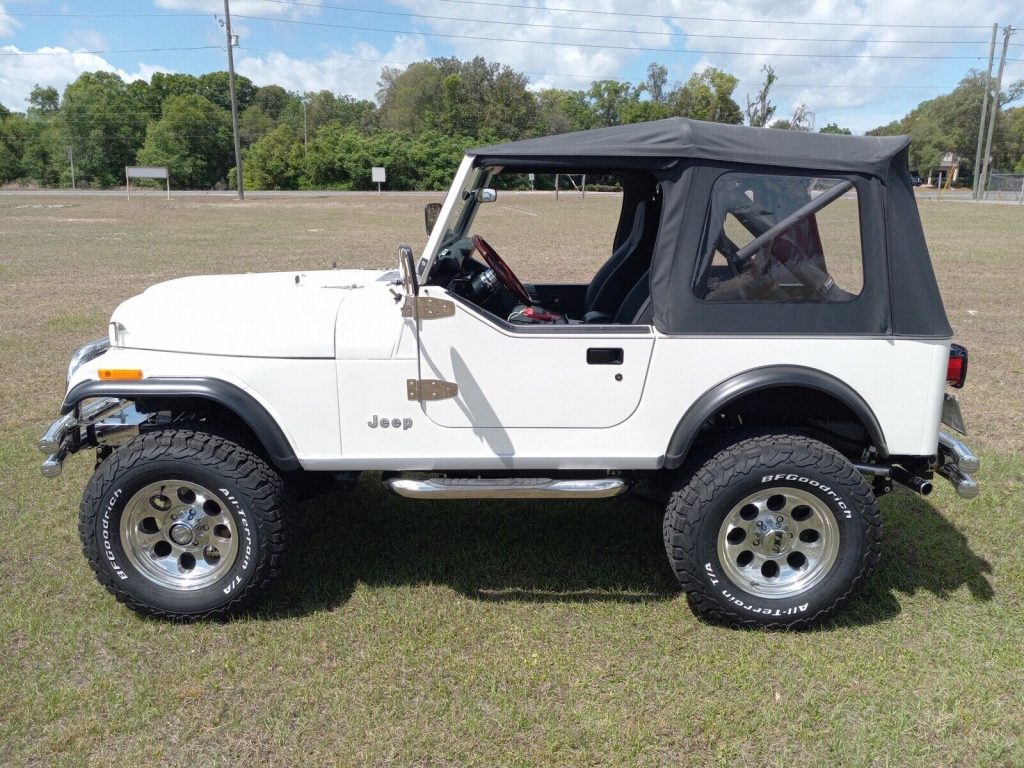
x=100 y=422
x=957 y=463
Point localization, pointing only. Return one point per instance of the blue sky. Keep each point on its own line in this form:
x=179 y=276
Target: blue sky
x=842 y=69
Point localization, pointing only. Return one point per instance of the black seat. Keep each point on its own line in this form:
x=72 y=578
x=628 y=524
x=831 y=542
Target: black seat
x=618 y=275
x=636 y=307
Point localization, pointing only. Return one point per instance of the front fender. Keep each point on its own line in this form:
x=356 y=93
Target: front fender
x=235 y=399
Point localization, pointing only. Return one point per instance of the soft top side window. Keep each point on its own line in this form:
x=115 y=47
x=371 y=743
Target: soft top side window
x=781 y=238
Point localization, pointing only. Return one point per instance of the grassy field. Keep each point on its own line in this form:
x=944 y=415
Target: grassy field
x=488 y=634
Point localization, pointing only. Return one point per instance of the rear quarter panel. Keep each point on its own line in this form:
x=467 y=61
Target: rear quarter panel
x=901 y=380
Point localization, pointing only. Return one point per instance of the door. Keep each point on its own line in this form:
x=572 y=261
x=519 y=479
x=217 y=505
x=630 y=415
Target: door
x=534 y=376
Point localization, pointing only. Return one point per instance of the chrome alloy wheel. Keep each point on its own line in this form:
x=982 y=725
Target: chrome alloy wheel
x=179 y=535
x=778 y=542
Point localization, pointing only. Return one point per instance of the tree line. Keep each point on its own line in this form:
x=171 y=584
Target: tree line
x=949 y=123
x=424 y=117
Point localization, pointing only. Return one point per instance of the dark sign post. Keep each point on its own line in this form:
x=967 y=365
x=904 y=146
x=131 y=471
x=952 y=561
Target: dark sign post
x=71 y=160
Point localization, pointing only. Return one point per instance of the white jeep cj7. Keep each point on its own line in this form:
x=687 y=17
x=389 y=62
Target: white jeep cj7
x=766 y=336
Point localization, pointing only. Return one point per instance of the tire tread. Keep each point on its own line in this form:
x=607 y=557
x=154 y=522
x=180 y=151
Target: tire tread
x=760 y=453
x=237 y=465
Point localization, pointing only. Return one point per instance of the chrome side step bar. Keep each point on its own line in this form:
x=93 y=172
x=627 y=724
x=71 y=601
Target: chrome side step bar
x=506 y=488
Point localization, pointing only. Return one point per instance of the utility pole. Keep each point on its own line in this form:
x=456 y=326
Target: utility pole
x=71 y=159
x=232 y=42
x=305 y=134
x=983 y=183
x=984 y=110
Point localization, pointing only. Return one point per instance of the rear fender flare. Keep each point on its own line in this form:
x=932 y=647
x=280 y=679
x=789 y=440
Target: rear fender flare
x=725 y=392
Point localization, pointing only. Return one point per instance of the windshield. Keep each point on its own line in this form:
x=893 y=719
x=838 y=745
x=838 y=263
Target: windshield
x=458 y=219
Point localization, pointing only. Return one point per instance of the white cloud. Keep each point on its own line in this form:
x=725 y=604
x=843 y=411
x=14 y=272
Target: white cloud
x=87 y=39
x=18 y=74
x=8 y=24
x=353 y=72
x=860 y=80
x=581 y=47
x=827 y=85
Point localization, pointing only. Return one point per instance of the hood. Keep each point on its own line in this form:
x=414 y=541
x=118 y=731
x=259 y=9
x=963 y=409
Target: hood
x=279 y=314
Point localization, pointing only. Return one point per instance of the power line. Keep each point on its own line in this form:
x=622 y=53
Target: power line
x=52 y=14
x=579 y=76
x=606 y=46
x=97 y=52
x=41 y=14
x=728 y=20
x=626 y=14
x=672 y=17
x=536 y=25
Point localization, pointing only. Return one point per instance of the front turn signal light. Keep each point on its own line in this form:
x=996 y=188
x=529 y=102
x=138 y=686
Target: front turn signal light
x=120 y=374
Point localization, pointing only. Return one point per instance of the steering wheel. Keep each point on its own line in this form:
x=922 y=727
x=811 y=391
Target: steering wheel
x=501 y=270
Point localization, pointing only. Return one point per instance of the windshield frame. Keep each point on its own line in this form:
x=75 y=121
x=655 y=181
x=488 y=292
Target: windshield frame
x=463 y=211
x=456 y=214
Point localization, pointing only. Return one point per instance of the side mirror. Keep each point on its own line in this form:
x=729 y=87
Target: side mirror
x=486 y=195
x=430 y=213
x=407 y=266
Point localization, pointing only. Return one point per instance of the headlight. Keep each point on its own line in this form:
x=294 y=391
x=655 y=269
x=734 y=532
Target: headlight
x=84 y=354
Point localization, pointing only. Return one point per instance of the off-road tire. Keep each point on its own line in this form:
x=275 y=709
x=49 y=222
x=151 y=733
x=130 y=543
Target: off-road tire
x=247 y=493
x=703 y=508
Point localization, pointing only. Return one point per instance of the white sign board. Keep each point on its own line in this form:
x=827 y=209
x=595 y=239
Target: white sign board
x=378 y=175
x=146 y=172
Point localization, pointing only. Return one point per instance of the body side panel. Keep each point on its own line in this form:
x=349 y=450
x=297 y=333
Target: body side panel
x=303 y=397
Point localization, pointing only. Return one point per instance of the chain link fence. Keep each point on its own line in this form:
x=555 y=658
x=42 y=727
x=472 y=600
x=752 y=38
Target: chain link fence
x=1006 y=186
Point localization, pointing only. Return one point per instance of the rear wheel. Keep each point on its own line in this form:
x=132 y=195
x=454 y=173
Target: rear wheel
x=775 y=531
x=183 y=524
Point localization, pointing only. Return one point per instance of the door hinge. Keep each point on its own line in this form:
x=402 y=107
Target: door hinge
x=427 y=307
x=431 y=389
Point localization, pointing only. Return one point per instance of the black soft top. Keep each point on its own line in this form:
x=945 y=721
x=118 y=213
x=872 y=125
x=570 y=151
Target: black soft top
x=678 y=137
x=684 y=158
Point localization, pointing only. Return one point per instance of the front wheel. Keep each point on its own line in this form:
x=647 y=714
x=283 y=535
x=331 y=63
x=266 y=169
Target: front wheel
x=183 y=524
x=773 y=531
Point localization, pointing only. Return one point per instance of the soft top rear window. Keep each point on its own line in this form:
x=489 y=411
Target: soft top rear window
x=781 y=238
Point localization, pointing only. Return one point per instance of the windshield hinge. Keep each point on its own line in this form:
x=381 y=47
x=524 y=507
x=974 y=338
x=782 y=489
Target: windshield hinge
x=427 y=307
x=431 y=389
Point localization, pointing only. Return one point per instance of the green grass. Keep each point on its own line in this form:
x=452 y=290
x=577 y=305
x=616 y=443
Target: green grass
x=489 y=634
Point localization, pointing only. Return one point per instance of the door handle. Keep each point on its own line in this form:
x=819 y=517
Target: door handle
x=604 y=356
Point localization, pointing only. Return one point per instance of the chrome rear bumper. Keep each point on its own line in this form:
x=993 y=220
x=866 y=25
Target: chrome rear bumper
x=957 y=463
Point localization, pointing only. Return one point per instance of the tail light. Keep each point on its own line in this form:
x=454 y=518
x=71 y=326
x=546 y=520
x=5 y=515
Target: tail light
x=956 y=371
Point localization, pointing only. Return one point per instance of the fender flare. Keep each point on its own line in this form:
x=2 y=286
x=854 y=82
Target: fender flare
x=720 y=395
x=230 y=396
